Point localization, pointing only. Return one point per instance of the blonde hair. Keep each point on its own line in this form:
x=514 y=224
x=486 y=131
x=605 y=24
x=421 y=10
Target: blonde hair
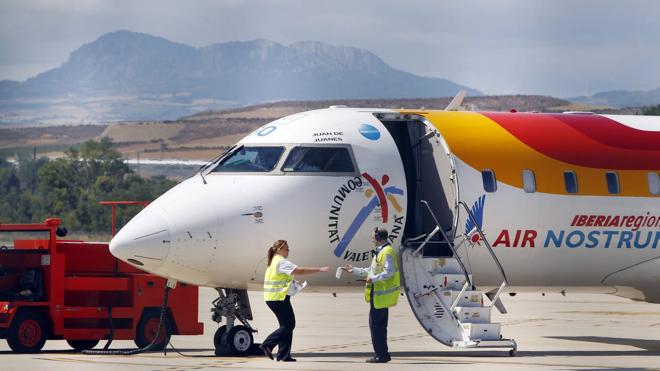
x=273 y=249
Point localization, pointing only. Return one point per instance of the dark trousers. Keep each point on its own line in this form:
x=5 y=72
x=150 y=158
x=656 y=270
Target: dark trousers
x=283 y=336
x=378 y=326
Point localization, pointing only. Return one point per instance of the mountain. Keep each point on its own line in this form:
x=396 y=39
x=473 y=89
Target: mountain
x=621 y=98
x=182 y=78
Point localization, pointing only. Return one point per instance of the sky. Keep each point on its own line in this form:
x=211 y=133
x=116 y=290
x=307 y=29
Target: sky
x=562 y=48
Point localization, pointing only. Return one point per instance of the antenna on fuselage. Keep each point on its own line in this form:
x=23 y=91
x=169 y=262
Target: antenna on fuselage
x=455 y=103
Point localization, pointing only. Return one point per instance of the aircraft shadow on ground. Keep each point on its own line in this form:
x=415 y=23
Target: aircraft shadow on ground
x=650 y=346
x=646 y=348
x=503 y=353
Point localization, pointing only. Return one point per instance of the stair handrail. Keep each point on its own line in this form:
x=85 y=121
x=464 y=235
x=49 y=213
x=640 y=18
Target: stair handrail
x=458 y=297
x=426 y=240
x=483 y=238
x=451 y=245
x=497 y=295
x=414 y=239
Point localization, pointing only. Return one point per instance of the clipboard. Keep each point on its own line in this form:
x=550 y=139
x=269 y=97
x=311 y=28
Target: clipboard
x=297 y=287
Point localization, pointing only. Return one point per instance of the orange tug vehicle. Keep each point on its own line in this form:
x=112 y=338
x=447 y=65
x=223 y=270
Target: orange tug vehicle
x=54 y=289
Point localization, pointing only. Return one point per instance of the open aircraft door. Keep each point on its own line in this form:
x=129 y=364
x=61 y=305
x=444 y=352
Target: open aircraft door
x=437 y=283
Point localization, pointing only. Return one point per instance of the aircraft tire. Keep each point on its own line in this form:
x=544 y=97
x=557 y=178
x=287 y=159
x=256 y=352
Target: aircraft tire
x=240 y=340
x=217 y=338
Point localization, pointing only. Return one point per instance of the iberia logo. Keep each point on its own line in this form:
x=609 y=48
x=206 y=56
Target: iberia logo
x=379 y=194
x=470 y=229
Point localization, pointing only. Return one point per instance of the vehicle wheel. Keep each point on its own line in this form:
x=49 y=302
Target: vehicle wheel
x=81 y=345
x=512 y=353
x=217 y=338
x=147 y=329
x=240 y=340
x=27 y=333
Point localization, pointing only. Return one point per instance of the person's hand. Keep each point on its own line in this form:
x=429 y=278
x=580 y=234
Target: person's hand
x=369 y=280
x=324 y=269
x=348 y=268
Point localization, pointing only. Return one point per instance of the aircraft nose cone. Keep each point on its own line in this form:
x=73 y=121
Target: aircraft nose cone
x=144 y=241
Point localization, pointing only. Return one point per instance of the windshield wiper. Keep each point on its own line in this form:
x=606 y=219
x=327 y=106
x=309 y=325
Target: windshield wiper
x=218 y=158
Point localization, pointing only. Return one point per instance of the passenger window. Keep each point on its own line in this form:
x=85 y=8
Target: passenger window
x=529 y=181
x=490 y=183
x=319 y=160
x=570 y=182
x=251 y=160
x=612 y=179
x=654 y=183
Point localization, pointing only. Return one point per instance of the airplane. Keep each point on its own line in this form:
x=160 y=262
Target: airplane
x=477 y=203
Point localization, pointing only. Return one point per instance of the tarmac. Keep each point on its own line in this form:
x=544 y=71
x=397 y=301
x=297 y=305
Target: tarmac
x=553 y=332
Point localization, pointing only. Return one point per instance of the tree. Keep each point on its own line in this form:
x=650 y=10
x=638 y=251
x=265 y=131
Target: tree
x=652 y=111
x=27 y=171
x=9 y=181
x=71 y=187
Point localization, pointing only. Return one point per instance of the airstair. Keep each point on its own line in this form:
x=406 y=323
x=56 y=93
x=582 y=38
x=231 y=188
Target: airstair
x=442 y=294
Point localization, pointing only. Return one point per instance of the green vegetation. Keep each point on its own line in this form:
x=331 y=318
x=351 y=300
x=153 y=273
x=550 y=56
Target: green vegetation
x=26 y=150
x=652 y=111
x=71 y=187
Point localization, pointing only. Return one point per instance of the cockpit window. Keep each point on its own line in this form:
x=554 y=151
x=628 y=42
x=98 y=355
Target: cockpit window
x=319 y=160
x=251 y=160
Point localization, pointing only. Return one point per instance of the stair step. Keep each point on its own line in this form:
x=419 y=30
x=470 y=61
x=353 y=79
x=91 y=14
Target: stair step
x=482 y=331
x=468 y=299
x=473 y=314
x=451 y=281
x=433 y=284
x=445 y=266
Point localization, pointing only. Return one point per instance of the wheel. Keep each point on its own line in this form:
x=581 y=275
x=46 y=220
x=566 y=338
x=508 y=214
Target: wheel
x=217 y=338
x=81 y=345
x=512 y=353
x=147 y=329
x=240 y=340
x=27 y=333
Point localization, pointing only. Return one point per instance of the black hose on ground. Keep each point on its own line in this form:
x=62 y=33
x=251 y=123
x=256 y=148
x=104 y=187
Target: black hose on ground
x=130 y=352
x=112 y=330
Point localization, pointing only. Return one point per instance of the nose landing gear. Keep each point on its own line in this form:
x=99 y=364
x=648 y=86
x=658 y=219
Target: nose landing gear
x=230 y=339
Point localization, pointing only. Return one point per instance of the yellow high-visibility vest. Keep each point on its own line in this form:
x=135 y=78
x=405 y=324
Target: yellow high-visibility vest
x=386 y=292
x=276 y=285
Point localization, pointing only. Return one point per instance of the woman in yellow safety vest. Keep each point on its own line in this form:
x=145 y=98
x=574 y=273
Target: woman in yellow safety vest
x=278 y=289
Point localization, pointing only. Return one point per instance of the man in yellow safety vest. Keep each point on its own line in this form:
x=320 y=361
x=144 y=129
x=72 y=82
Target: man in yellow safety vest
x=382 y=291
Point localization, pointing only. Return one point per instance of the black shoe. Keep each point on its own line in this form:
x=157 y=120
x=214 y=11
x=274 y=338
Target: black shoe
x=267 y=351
x=290 y=359
x=378 y=360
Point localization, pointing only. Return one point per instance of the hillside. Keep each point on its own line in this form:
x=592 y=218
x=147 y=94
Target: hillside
x=203 y=135
x=621 y=98
x=127 y=75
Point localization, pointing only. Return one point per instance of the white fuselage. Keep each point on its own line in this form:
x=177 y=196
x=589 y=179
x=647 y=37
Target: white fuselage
x=214 y=229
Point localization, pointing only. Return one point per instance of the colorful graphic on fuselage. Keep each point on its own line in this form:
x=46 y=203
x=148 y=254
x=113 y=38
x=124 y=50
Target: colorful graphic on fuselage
x=478 y=213
x=369 y=132
x=585 y=140
x=551 y=144
x=381 y=195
